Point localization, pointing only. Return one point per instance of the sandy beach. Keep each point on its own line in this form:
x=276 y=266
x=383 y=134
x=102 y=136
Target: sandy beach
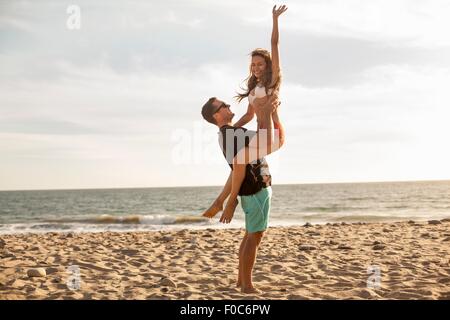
x=402 y=260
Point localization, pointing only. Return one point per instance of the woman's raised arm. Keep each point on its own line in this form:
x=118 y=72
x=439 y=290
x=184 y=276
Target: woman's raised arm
x=274 y=42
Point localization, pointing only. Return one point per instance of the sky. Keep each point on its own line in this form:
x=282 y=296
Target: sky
x=108 y=95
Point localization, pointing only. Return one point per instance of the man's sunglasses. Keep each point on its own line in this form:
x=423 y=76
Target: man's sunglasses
x=223 y=105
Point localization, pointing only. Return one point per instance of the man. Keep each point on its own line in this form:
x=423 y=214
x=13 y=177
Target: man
x=255 y=191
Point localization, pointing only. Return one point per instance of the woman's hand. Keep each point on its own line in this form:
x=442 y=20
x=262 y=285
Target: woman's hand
x=277 y=12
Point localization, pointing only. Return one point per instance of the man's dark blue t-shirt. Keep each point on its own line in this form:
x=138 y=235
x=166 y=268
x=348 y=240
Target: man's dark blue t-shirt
x=257 y=175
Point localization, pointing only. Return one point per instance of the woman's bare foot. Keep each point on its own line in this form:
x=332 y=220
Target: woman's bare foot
x=232 y=205
x=228 y=213
x=251 y=290
x=216 y=207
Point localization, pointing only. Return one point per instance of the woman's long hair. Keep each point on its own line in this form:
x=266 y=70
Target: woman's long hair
x=266 y=79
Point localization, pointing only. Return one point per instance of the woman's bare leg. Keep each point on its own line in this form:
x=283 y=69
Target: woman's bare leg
x=238 y=176
x=264 y=137
x=217 y=205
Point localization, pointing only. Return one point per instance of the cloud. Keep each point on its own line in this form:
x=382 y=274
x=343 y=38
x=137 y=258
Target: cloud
x=399 y=22
x=391 y=128
x=108 y=98
x=322 y=44
x=315 y=61
x=43 y=126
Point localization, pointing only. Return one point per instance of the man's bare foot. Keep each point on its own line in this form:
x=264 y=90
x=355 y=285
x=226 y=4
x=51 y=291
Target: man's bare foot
x=251 y=290
x=213 y=209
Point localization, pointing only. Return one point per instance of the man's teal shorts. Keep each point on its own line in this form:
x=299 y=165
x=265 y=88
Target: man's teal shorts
x=256 y=210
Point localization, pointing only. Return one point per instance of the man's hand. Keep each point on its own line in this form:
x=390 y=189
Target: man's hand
x=228 y=213
x=272 y=103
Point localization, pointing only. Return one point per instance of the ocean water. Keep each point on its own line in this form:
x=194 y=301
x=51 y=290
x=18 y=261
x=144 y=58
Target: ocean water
x=94 y=210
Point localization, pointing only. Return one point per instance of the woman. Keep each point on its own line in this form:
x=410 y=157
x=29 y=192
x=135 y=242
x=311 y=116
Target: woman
x=264 y=80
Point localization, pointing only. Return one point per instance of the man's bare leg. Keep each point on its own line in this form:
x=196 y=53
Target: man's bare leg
x=241 y=251
x=248 y=261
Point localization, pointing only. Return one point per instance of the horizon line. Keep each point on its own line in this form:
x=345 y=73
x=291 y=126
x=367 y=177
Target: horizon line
x=205 y=186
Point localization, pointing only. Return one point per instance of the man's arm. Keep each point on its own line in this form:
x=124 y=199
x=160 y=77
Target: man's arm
x=279 y=133
x=246 y=118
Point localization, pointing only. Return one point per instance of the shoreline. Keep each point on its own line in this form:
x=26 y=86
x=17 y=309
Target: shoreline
x=86 y=228
x=313 y=261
